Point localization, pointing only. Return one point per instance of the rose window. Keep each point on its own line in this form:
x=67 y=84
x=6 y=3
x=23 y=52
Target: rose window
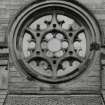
x=51 y=41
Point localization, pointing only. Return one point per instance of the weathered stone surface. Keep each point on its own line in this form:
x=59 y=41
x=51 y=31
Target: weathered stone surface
x=8 y=8
x=3 y=94
x=53 y=100
x=3 y=78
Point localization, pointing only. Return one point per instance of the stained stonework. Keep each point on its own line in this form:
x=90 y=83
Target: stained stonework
x=13 y=82
x=3 y=94
x=53 y=100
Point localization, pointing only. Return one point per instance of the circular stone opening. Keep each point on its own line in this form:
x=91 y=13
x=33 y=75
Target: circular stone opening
x=54 y=45
x=51 y=40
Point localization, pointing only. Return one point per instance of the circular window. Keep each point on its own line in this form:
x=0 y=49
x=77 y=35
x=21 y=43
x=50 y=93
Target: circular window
x=51 y=40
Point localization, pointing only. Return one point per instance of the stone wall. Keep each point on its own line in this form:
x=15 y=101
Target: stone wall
x=8 y=8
